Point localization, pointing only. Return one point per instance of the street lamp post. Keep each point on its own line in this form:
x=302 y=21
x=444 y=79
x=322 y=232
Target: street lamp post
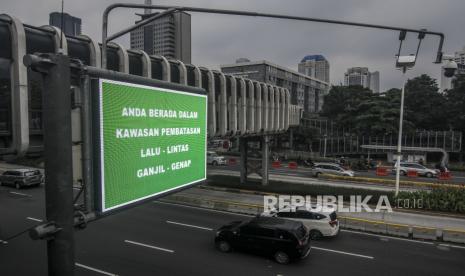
x=399 y=140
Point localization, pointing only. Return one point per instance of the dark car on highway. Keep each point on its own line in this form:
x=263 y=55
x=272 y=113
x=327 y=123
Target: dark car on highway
x=283 y=240
x=21 y=177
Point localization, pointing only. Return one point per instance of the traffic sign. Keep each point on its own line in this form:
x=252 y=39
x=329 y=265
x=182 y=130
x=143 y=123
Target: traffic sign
x=151 y=140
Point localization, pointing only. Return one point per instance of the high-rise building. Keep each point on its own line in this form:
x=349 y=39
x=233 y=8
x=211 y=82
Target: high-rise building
x=168 y=36
x=361 y=76
x=460 y=56
x=374 y=81
x=315 y=66
x=71 y=24
x=306 y=92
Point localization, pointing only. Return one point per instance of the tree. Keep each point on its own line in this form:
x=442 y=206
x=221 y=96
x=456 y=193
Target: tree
x=342 y=102
x=455 y=108
x=426 y=106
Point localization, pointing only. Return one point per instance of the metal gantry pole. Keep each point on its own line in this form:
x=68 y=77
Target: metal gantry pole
x=56 y=102
x=86 y=119
x=399 y=140
x=171 y=9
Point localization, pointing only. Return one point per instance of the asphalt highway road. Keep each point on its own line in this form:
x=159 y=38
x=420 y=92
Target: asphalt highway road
x=457 y=177
x=165 y=239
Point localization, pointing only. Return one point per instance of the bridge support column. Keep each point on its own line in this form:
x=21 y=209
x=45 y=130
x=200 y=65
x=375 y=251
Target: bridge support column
x=265 y=158
x=243 y=164
x=291 y=138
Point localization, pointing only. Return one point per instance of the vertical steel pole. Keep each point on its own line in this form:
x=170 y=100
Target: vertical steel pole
x=399 y=140
x=324 y=150
x=86 y=121
x=56 y=102
x=243 y=165
x=265 y=159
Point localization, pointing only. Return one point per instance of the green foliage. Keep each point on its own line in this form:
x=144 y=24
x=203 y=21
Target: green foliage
x=356 y=108
x=439 y=199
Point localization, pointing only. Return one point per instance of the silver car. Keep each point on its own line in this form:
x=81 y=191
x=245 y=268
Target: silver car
x=330 y=168
x=420 y=169
x=214 y=159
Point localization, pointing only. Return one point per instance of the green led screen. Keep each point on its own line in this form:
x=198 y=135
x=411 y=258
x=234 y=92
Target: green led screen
x=152 y=140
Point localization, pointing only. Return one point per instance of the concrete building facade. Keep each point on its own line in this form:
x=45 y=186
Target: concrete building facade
x=363 y=77
x=71 y=24
x=315 y=66
x=169 y=36
x=306 y=92
x=460 y=56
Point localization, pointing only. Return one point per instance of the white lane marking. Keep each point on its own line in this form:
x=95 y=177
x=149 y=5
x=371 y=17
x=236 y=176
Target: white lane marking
x=95 y=269
x=77 y=188
x=386 y=237
x=4 y=242
x=21 y=194
x=343 y=252
x=34 y=219
x=189 y=225
x=203 y=209
x=149 y=246
x=453 y=246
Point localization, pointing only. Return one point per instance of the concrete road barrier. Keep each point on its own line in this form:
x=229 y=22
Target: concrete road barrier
x=425 y=233
x=412 y=173
x=453 y=235
x=292 y=165
x=400 y=230
x=376 y=227
x=355 y=224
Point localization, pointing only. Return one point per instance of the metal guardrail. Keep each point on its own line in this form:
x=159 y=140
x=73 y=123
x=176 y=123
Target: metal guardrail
x=366 y=225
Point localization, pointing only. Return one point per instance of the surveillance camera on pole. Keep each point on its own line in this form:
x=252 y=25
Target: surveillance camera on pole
x=450 y=66
x=406 y=62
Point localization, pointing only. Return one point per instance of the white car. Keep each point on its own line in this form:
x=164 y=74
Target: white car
x=420 y=169
x=320 y=224
x=214 y=159
x=330 y=168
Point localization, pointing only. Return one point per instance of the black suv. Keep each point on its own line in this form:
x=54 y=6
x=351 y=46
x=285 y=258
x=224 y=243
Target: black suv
x=283 y=240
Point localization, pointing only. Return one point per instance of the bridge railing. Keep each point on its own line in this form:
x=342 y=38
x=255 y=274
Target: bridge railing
x=450 y=141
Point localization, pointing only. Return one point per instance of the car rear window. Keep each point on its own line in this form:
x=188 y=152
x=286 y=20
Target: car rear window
x=333 y=216
x=301 y=232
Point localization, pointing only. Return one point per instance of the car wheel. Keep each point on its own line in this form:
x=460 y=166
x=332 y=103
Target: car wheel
x=315 y=235
x=223 y=246
x=404 y=173
x=214 y=163
x=281 y=257
x=429 y=175
x=17 y=185
x=317 y=174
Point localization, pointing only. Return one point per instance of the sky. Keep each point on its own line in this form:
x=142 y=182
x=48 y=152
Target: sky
x=221 y=39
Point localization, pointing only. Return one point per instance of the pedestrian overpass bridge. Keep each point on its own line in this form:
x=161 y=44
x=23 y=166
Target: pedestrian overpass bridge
x=237 y=107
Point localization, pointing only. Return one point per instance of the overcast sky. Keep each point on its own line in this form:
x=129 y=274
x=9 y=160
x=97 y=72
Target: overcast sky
x=220 y=39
